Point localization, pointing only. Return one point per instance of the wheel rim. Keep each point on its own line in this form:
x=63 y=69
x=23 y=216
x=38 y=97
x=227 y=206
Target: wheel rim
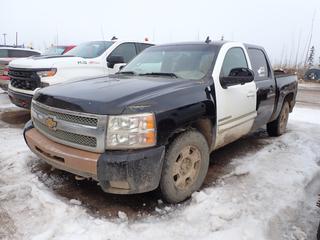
x=186 y=167
x=312 y=76
x=284 y=119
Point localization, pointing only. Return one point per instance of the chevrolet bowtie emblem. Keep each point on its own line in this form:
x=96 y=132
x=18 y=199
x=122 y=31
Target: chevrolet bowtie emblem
x=51 y=123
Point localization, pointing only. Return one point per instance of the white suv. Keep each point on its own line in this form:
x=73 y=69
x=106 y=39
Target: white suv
x=7 y=54
x=90 y=59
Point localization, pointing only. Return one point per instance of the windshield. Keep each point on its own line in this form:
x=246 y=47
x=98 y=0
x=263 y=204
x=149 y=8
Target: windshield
x=90 y=49
x=184 y=61
x=3 y=53
x=54 y=51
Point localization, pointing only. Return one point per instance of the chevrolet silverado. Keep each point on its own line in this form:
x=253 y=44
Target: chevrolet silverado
x=155 y=123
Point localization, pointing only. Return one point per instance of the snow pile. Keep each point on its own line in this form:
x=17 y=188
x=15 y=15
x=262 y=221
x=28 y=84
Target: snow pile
x=256 y=201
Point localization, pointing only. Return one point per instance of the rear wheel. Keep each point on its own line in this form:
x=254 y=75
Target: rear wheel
x=185 y=167
x=278 y=126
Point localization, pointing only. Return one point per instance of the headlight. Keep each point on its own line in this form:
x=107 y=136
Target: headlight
x=47 y=73
x=131 y=131
x=5 y=71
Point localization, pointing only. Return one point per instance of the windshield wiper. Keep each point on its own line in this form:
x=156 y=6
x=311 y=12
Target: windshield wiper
x=159 y=74
x=127 y=72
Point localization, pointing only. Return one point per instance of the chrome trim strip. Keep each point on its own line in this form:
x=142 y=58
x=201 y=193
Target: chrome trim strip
x=99 y=131
x=81 y=114
x=227 y=129
x=237 y=118
x=225 y=118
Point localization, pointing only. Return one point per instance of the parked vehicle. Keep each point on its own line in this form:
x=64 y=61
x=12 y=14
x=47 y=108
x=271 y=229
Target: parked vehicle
x=312 y=74
x=155 y=123
x=89 y=59
x=8 y=54
x=58 y=50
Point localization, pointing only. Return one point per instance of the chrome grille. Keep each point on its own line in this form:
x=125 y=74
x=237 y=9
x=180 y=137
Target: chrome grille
x=68 y=117
x=67 y=136
x=75 y=129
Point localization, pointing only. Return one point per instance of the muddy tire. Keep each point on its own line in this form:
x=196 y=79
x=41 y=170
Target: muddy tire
x=278 y=126
x=185 y=166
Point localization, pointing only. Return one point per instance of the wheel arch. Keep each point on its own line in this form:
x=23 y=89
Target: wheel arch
x=290 y=99
x=203 y=121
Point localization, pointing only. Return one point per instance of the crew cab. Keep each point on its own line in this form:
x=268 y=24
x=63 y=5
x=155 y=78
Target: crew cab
x=155 y=123
x=7 y=54
x=97 y=58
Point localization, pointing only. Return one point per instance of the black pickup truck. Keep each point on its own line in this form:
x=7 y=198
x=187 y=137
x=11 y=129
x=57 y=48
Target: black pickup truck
x=155 y=123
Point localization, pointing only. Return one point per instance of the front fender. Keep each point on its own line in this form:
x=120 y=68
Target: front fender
x=177 y=120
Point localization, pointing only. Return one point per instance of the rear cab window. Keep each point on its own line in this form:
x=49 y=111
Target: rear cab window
x=259 y=64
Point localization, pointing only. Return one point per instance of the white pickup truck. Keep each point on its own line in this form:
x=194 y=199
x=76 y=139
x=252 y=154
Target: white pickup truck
x=90 y=59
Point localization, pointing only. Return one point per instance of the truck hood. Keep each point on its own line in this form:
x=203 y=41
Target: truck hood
x=37 y=62
x=116 y=94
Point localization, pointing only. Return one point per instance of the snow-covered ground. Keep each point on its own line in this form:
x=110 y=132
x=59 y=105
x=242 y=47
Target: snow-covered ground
x=5 y=104
x=271 y=194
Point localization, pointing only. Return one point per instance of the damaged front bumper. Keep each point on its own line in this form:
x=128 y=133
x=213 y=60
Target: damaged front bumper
x=120 y=172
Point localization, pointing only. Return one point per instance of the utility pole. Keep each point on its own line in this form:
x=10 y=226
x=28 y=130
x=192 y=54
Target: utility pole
x=4 y=38
x=16 y=38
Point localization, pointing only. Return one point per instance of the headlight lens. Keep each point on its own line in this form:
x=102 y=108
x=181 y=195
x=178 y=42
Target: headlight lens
x=5 y=71
x=131 y=131
x=47 y=73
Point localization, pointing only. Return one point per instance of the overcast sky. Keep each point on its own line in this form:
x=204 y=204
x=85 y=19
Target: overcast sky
x=277 y=25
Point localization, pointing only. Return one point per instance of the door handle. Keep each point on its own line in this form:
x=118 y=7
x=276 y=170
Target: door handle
x=271 y=89
x=250 y=94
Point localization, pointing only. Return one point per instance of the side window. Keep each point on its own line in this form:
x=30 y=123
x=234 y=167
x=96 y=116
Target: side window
x=22 y=53
x=235 y=58
x=259 y=64
x=4 y=53
x=125 y=50
x=14 y=53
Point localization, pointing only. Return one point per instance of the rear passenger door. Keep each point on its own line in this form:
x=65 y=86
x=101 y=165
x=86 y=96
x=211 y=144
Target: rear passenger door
x=266 y=86
x=125 y=50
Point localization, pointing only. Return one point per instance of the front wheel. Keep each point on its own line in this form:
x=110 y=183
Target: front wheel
x=278 y=126
x=185 y=167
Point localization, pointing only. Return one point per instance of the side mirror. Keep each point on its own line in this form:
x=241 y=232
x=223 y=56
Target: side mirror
x=237 y=76
x=112 y=60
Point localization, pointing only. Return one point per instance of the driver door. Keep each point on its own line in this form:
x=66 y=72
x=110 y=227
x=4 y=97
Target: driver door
x=236 y=105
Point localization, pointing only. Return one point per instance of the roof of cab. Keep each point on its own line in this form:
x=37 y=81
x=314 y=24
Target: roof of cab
x=216 y=43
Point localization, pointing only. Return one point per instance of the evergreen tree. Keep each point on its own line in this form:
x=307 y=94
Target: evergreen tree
x=311 y=56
